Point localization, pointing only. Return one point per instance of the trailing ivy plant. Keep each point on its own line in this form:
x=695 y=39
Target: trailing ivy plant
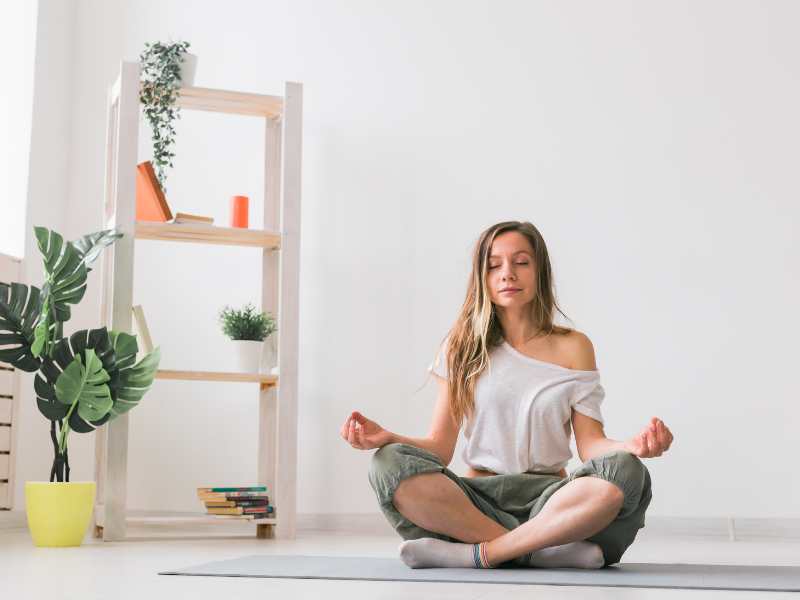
x=82 y=381
x=246 y=324
x=159 y=90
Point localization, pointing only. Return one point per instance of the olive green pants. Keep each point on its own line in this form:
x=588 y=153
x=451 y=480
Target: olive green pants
x=514 y=499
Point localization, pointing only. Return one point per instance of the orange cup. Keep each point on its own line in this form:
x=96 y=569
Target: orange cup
x=239 y=212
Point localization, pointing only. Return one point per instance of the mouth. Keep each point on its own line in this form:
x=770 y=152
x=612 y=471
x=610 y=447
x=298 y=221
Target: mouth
x=510 y=291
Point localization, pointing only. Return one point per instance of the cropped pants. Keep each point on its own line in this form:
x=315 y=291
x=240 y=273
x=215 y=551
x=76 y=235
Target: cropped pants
x=514 y=499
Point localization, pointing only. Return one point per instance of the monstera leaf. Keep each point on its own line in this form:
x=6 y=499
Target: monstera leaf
x=66 y=265
x=90 y=246
x=66 y=277
x=128 y=381
x=134 y=379
x=84 y=386
x=64 y=353
x=19 y=311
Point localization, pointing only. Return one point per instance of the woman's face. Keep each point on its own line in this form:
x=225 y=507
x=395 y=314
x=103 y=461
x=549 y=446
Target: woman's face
x=511 y=265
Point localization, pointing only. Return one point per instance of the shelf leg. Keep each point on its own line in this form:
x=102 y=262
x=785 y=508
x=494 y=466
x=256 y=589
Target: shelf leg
x=265 y=532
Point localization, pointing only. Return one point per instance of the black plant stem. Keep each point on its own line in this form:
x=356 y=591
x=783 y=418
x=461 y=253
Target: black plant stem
x=54 y=474
x=66 y=464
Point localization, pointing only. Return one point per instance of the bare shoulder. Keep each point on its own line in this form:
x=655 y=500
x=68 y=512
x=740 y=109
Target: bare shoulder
x=580 y=350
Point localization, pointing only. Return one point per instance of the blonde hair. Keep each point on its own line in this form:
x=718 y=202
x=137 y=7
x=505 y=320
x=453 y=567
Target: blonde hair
x=477 y=329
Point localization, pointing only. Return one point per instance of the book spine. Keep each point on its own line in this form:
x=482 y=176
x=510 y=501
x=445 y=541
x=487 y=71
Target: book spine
x=263 y=502
x=231 y=495
x=225 y=511
x=241 y=511
x=256 y=509
x=220 y=503
x=255 y=488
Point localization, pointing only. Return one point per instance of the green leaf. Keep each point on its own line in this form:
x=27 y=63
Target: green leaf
x=19 y=311
x=134 y=379
x=63 y=356
x=90 y=246
x=40 y=334
x=134 y=382
x=125 y=348
x=47 y=402
x=85 y=386
x=66 y=274
x=128 y=381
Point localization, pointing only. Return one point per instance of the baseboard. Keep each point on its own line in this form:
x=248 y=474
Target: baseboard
x=729 y=528
x=346 y=523
x=708 y=528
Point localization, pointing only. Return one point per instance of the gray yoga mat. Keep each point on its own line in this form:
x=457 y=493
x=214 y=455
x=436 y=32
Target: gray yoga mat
x=655 y=575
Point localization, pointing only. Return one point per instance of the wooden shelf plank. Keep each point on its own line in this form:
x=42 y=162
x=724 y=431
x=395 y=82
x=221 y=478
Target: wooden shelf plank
x=207 y=234
x=265 y=379
x=232 y=102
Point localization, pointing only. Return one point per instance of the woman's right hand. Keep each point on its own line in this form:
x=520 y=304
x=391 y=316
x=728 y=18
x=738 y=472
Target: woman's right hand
x=363 y=434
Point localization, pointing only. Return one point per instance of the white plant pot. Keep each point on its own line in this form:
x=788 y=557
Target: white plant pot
x=269 y=357
x=248 y=355
x=187 y=69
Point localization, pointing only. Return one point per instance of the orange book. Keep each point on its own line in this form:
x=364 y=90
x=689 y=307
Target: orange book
x=151 y=205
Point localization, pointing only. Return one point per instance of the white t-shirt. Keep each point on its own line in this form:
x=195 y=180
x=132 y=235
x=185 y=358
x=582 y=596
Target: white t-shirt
x=522 y=421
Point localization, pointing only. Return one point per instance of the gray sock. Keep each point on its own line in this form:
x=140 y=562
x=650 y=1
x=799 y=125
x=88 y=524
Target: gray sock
x=431 y=552
x=576 y=555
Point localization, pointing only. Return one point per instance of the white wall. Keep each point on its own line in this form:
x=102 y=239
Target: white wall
x=653 y=144
x=47 y=205
x=17 y=42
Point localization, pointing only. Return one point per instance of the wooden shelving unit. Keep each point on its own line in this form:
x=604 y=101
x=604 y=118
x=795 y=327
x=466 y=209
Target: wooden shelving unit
x=279 y=242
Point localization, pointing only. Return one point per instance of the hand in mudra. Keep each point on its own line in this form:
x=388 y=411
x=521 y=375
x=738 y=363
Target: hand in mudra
x=654 y=440
x=362 y=433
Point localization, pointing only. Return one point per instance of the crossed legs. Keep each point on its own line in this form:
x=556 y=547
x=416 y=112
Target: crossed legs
x=579 y=509
x=434 y=502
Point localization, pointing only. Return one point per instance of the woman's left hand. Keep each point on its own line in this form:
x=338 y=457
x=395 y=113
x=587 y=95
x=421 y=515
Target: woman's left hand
x=654 y=440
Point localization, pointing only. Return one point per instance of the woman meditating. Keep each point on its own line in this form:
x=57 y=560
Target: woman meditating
x=522 y=384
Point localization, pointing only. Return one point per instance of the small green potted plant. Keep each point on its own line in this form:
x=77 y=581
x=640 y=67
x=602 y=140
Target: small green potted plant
x=248 y=329
x=82 y=381
x=164 y=69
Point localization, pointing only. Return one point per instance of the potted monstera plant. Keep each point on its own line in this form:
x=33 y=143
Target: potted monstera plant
x=82 y=381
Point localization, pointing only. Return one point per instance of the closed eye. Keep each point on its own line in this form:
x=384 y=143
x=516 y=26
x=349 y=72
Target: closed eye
x=495 y=266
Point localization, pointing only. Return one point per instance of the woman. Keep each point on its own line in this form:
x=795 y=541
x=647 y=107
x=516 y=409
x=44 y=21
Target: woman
x=521 y=383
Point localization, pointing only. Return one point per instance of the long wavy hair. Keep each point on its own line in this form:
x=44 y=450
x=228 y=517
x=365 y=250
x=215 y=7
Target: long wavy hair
x=477 y=329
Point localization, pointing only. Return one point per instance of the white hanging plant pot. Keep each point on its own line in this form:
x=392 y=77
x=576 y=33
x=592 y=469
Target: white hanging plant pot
x=248 y=355
x=187 y=69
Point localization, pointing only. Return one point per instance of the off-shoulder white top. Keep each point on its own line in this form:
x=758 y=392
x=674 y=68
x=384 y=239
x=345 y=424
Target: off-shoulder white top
x=522 y=420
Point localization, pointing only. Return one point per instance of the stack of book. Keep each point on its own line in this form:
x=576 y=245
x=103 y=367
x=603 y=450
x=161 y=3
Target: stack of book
x=237 y=502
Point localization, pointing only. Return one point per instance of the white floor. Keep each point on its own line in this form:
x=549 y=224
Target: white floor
x=121 y=570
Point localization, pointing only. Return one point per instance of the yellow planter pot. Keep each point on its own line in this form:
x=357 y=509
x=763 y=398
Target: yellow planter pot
x=59 y=512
